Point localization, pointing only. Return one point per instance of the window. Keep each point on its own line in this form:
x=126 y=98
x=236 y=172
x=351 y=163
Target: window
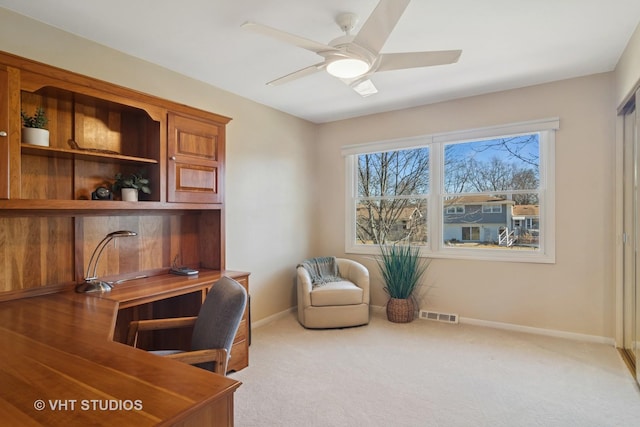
x=392 y=196
x=455 y=209
x=480 y=194
x=491 y=208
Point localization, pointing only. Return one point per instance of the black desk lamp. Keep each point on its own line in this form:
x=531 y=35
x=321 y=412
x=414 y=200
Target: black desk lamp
x=91 y=283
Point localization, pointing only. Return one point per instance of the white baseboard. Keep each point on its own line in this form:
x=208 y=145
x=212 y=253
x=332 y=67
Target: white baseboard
x=477 y=322
x=273 y=317
x=529 y=329
x=540 y=331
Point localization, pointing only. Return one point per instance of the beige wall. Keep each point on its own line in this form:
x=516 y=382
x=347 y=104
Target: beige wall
x=576 y=294
x=268 y=155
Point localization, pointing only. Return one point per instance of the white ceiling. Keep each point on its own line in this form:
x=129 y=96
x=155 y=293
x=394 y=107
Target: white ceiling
x=506 y=44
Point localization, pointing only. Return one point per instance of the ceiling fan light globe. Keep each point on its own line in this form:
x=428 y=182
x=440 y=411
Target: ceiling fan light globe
x=348 y=68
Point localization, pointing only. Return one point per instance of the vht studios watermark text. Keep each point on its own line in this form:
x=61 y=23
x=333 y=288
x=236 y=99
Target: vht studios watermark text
x=87 y=405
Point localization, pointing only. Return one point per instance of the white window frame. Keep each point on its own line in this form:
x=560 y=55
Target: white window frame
x=435 y=247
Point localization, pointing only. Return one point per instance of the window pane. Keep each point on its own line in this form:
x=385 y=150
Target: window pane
x=390 y=220
x=510 y=221
x=394 y=173
x=510 y=163
x=492 y=196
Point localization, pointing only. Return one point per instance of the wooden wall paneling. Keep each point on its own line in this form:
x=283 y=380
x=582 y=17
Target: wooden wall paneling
x=190 y=237
x=35 y=252
x=160 y=239
x=60 y=111
x=97 y=124
x=28 y=235
x=57 y=254
x=79 y=265
x=58 y=107
x=184 y=236
x=46 y=178
x=174 y=243
x=212 y=241
x=152 y=242
x=94 y=229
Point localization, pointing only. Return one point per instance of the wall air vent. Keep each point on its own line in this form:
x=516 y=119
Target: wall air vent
x=440 y=317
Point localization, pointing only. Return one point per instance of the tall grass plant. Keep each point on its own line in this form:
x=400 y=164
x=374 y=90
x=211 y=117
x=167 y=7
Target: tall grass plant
x=401 y=268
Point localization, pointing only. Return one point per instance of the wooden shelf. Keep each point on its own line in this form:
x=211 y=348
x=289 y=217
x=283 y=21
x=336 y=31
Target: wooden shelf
x=36 y=207
x=37 y=150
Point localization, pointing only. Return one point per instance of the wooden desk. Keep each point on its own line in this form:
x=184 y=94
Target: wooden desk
x=57 y=352
x=169 y=295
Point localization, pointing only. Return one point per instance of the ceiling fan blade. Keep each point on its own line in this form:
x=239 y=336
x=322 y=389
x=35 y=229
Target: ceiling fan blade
x=287 y=38
x=297 y=74
x=399 y=61
x=380 y=24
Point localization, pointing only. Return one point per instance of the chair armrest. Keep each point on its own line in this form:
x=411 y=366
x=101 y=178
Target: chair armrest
x=217 y=355
x=156 y=324
x=304 y=286
x=356 y=273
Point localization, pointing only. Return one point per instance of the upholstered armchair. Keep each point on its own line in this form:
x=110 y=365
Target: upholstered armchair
x=336 y=304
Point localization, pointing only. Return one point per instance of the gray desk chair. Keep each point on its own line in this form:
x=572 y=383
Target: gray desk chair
x=214 y=329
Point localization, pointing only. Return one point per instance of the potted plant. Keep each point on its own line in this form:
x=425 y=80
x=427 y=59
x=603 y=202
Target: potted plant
x=131 y=185
x=401 y=268
x=33 y=128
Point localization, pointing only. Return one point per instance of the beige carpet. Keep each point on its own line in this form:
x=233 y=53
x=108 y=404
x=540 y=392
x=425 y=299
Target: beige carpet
x=430 y=374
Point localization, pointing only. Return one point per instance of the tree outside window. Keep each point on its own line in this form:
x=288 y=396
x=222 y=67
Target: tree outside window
x=485 y=193
x=393 y=187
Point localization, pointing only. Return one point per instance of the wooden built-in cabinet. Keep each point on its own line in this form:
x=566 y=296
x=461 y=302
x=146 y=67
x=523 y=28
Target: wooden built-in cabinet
x=196 y=159
x=49 y=224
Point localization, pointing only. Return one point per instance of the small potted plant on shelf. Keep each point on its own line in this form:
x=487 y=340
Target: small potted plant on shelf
x=131 y=185
x=34 y=128
x=401 y=268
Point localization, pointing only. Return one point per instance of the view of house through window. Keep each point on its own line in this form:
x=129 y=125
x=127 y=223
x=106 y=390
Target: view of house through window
x=495 y=182
x=455 y=196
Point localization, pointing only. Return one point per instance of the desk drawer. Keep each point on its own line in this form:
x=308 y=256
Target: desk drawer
x=241 y=335
x=239 y=356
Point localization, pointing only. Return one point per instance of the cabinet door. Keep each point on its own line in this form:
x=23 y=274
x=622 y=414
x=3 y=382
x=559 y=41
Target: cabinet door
x=4 y=133
x=195 y=160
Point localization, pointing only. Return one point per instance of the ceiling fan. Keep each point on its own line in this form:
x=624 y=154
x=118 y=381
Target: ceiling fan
x=353 y=59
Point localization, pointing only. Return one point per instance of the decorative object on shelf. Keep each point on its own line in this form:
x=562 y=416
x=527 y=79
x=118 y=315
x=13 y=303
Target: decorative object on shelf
x=102 y=193
x=130 y=185
x=401 y=268
x=74 y=145
x=92 y=283
x=33 y=128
